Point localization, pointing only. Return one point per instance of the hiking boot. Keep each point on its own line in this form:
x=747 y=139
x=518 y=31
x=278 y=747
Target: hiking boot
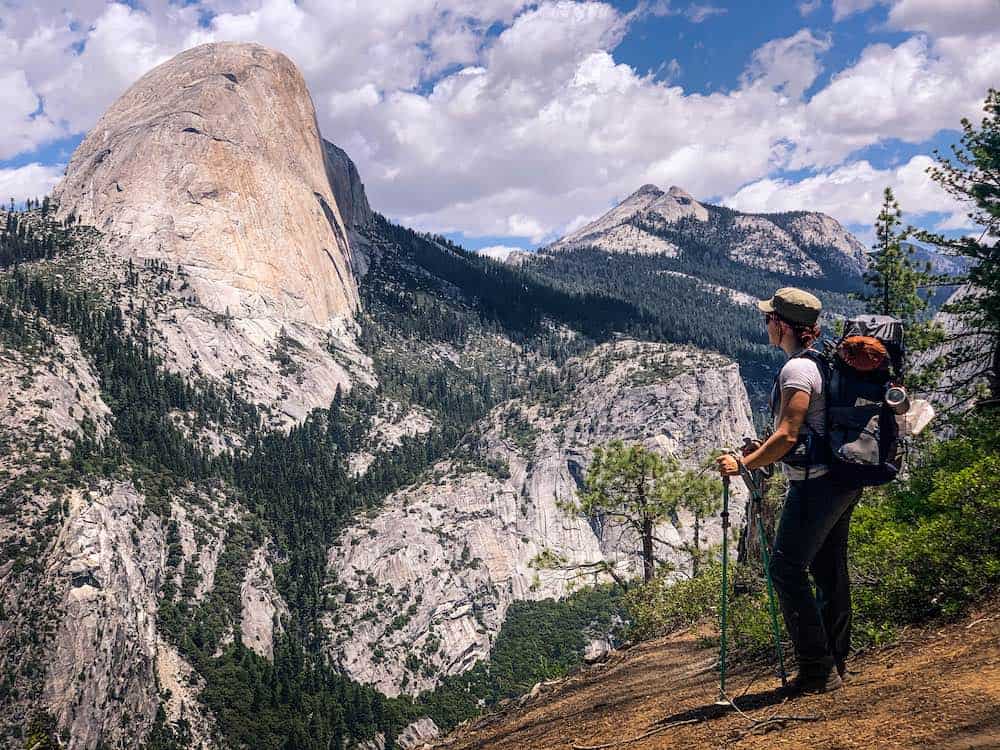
x=845 y=676
x=816 y=682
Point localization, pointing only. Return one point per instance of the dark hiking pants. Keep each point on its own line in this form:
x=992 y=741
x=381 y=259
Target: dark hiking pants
x=812 y=537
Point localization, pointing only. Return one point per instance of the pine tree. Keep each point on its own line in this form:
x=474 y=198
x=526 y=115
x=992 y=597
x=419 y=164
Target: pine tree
x=892 y=277
x=633 y=486
x=701 y=495
x=972 y=174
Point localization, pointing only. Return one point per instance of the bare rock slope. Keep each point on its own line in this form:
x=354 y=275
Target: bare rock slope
x=213 y=161
x=654 y=222
x=424 y=585
x=210 y=180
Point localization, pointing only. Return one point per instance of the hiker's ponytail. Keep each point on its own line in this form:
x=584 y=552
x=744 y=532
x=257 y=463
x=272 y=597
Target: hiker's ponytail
x=806 y=335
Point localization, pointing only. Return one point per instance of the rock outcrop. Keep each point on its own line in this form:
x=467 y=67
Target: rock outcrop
x=219 y=207
x=968 y=359
x=618 y=231
x=262 y=607
x=654 y=222
x=424 y=586
x=387 y=431
x=102 y=666
x=213 y=161
x=348 y=190
x=418 y=734
x=760 y=243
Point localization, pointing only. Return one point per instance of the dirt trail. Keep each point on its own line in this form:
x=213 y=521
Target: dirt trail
x=936 y=688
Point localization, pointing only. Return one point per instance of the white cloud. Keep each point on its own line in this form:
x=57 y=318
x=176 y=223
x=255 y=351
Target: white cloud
x=852 y=193
x=789 y=65
x=808 y=7
x=936 y=17
x=524 y=133
x=29 y=181
x=844 y=8
x=972 y=17
x=697 y=12
x=20 y=127
x=910 y=92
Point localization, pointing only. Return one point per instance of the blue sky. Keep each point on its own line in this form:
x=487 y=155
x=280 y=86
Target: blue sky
x=509 y=122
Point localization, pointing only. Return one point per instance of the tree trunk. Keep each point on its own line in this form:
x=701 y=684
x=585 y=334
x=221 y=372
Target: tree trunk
x=647 y=549
x=696 y=558
x=993 y=379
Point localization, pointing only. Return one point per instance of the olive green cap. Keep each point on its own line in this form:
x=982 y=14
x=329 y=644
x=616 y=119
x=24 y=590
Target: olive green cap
x=793 y=305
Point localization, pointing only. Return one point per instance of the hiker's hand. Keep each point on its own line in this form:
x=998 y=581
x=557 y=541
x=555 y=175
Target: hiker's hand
x=728 y=464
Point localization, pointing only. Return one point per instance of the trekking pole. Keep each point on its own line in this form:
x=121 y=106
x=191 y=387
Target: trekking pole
x=723 y=700
x=771 y=604
x=757 y=498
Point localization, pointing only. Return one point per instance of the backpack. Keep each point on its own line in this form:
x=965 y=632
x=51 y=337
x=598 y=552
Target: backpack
x=862 y=445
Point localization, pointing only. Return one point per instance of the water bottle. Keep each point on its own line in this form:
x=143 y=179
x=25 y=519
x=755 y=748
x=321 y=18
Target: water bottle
x=897 y=399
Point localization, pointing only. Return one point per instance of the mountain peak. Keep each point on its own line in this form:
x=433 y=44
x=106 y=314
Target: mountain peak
x=213 y=161
x=616 y=230
x=647 y=189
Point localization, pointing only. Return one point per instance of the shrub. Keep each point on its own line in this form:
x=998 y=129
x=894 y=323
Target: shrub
x=662 y=607
x=930 y=546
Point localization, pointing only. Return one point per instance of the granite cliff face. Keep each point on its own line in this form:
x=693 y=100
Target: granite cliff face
x=423 y=586
x=218 y=200
x=213 y=161
x=348 y=190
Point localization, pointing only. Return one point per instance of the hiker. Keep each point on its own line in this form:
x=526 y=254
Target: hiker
x=812 y=531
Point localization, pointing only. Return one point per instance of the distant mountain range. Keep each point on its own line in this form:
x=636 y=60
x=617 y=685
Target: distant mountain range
x=651 y=221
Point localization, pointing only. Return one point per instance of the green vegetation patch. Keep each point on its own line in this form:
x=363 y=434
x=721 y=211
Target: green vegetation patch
x=539 y=640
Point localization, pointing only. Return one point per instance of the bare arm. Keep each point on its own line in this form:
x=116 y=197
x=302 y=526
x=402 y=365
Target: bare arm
x=794 y=405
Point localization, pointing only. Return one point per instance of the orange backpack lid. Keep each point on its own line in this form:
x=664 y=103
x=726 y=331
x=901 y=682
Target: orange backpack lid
x=863 y=353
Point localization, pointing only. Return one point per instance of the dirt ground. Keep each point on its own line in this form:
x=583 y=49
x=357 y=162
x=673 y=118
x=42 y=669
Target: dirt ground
x=935 y=688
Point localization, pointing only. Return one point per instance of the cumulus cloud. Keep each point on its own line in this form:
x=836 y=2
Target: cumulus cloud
x=513 y=117
x=910 y=92
x=966 y=17
x=789 y=65
x=808 y=7
x=29 y=181
x=852 y=193
x=21 y=125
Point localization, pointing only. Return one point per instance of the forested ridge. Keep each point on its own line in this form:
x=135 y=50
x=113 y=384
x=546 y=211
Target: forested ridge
x=679 y=298
x=293 y=486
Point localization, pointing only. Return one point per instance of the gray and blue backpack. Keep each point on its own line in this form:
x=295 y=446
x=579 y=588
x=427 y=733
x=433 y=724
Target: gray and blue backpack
x=862 y=375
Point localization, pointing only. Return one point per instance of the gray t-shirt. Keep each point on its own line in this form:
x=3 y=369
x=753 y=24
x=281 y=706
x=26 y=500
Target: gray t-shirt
x=802 y=374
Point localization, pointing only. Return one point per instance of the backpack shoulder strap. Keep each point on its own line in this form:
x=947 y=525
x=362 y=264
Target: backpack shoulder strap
x=822 y=363
x=823 y=366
